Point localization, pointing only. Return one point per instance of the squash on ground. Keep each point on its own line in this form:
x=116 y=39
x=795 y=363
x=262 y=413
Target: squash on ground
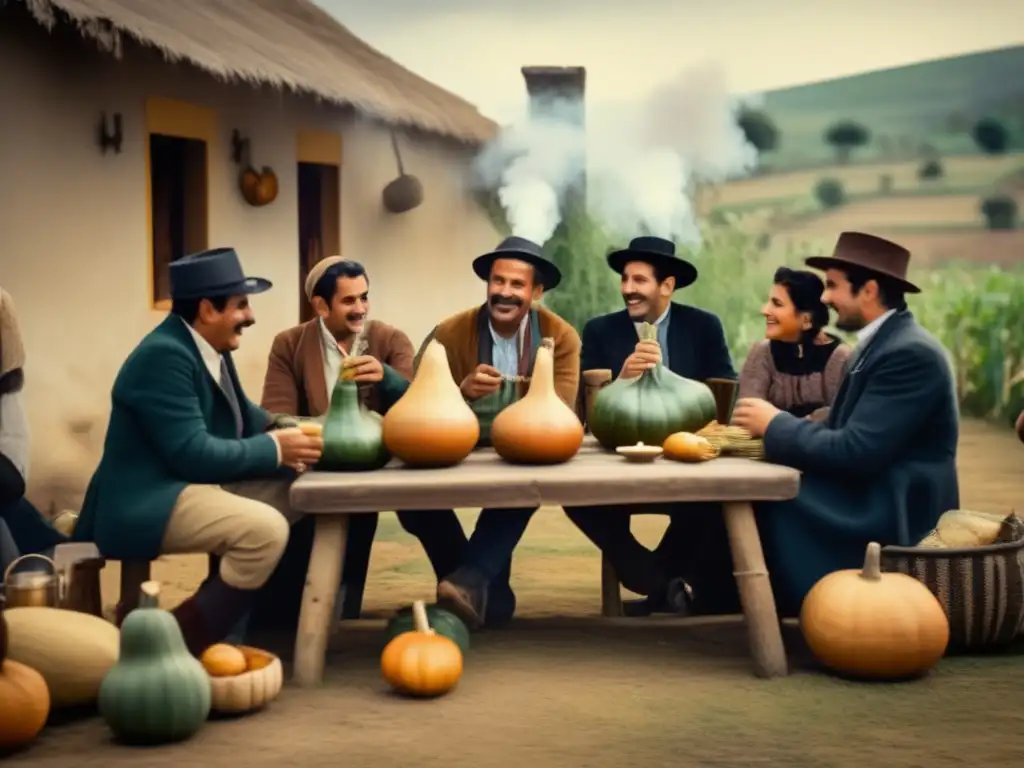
x=24 y=699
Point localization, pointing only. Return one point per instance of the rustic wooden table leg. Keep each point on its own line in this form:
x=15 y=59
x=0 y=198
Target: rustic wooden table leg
x=611 y=594
x=318 y=597
x=763 y=630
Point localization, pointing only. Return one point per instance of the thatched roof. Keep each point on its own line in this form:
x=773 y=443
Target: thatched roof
x=289 y=44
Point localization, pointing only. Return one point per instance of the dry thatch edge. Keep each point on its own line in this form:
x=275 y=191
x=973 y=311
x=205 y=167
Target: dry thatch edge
x=108 y=36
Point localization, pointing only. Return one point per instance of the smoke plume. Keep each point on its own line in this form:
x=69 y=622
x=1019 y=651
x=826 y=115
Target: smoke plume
x=643 y=164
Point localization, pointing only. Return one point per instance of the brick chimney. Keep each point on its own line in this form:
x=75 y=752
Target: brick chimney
x=561 y=91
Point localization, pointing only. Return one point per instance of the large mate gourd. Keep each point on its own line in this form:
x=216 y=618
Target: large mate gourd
x=353 y=435
x=652 y=406
x=157 y=692
x=431 y=425
x=540 y=428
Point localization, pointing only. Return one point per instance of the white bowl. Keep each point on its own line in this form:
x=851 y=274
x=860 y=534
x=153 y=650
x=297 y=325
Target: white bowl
x=640 y=453
x=249 y=691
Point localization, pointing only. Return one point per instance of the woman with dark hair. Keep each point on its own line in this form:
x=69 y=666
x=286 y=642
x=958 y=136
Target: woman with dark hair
x=798 y=366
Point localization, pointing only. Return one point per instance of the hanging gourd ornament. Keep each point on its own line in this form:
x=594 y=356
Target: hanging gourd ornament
x=24 y=699
x=652 y=406
x=431 y=425
x=869 y=624
x=353 y=434
x=157 y=692
x=539 y=428
x=421 y=662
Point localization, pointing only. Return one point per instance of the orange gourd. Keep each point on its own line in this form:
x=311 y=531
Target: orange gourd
x=540 y=428
x=421 y=662
x=24 y=699
x=869 y=624
x=686 y=446
x=223 y=660
x=431 y=425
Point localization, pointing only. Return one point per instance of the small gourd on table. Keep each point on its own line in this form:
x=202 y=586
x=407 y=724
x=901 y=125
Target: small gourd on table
x=353 y=434
x=652 y=406
x=24 y=699
x=421 y=662
x=869 y=624
x=157 y=693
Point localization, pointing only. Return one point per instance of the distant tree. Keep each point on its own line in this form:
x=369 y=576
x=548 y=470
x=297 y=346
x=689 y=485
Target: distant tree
x=1000 y=211
x=830 y=193
x=931 y=169
x=991 y=136
x=845 y=136
x=759 y=129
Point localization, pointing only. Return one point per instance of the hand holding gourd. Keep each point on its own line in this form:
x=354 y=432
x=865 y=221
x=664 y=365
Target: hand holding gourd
x=481 y=382
x=298 y=450
x=647 y=354
x=364 y=369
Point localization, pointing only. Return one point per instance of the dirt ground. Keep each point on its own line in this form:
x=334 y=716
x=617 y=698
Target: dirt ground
x=561 y=688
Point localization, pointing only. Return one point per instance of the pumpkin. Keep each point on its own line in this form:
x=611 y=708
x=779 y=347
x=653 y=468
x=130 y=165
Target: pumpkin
x=539 y=428
x=353 y=435
x=652 y=406
x=431 y=425
x=421 y=662
x=24 y=699
x=223 y=660
x=157 y=692
x=869 y=624
x=73 y=651
x=443 y=622
x=686 y=446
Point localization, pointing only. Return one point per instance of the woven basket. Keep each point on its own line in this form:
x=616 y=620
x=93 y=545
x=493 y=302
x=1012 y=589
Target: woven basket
x=981 y=589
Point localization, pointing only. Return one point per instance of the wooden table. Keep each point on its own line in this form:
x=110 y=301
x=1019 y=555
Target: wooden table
x=592 y=477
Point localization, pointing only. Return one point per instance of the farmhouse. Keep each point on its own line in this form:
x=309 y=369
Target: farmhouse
x=128 y=128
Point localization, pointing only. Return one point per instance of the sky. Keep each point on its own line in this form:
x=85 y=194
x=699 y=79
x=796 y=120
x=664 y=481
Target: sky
x=475 y=48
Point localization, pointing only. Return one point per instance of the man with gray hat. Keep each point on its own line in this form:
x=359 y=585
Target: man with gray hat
x=189 y=462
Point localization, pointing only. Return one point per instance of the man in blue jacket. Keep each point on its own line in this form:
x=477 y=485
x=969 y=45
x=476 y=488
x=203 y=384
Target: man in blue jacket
x=188 y=462
x=691 y=343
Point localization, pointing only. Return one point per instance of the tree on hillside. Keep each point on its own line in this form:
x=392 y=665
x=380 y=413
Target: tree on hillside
x=759 y=129
x=991 y=136
x=845 y=136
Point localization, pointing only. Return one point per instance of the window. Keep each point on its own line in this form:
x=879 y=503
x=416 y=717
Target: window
x=179 y=145
x=177 y=170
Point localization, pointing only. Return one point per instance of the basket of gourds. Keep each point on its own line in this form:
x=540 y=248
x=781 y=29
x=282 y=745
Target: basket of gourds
x=973 y=562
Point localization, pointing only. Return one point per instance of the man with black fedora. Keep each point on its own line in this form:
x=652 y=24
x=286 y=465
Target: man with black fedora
x=491 y=349
x=188 y=463
x=691 y=343
x=882 y=468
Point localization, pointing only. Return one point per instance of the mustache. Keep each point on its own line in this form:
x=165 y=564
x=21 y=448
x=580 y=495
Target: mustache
x=247 y=324
x=355 y=317
x=631 y=296
x=505 y=301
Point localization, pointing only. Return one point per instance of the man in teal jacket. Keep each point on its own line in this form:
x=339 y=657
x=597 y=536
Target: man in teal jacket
x=188 y=463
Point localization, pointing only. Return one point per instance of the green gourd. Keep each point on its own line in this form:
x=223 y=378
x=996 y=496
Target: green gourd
x=157 y=692
x=652 y=406
x=353 y=435
x=441 y=621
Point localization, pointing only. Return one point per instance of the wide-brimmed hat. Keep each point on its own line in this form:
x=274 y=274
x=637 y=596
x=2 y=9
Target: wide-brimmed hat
x=217 y=272
x=659 y=253
x=521 y=249
x=876 y=254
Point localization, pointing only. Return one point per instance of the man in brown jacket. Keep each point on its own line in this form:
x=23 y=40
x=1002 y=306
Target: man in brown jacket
x=491 y=349
x=304 y=364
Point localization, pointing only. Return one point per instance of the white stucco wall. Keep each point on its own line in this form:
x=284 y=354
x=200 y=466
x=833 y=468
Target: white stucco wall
x=73 y=227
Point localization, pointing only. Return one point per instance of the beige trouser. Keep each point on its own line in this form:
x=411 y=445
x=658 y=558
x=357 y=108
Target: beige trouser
x=246 y=524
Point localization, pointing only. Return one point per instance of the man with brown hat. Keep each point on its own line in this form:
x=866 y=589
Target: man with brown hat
x=305 y=362
x=882 y=468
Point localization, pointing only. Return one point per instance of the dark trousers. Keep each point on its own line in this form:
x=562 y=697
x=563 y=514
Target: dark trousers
x=695 y=547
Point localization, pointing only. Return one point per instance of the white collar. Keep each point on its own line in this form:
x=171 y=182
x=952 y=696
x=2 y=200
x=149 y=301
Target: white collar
x=497 y=338
x=211 y=357
x=871 y=328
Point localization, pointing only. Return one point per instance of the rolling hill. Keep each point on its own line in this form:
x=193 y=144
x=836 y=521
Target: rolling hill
x=932 y=102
